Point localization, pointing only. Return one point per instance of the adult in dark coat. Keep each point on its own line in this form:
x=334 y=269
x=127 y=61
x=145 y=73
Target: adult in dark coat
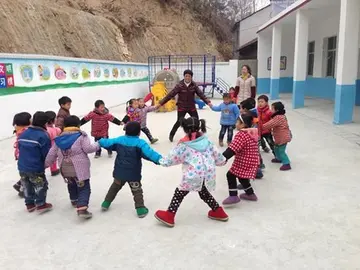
x=185 y=90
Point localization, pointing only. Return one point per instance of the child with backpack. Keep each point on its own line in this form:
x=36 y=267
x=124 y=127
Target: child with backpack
x=21 y=122
x=72 y=148
x=199 y=158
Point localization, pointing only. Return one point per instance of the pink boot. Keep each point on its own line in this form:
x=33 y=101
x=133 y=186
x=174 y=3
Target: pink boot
x=247 y=197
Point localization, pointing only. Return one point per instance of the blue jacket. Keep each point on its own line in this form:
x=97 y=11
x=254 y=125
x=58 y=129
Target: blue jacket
x=229 y=113
x=34 y=145
x=130 y=150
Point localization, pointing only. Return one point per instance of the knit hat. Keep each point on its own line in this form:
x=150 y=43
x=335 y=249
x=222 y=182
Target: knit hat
x=40 y=119
x=188 y=71
x=132 y=129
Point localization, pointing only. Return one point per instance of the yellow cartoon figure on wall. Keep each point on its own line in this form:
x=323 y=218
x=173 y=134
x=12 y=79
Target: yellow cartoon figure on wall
x=115 y=72
x=85 y=73
x=44 y=72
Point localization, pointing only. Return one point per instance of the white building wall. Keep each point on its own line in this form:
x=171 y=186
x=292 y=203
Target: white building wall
x=248 y=26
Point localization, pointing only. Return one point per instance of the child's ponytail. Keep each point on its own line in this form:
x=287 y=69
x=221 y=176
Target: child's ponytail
x=203 y=125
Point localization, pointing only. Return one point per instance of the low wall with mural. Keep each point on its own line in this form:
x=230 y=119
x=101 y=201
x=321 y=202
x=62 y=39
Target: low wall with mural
x=34 y=82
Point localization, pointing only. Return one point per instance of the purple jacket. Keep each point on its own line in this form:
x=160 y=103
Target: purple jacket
x=143 y=114
x=79 y=149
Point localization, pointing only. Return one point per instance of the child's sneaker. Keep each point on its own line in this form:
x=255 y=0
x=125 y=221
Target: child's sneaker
x=266 y=150
x=262 y=166
x=231 y=200
x=84 y=214
x=55 y=173
x=105 y=205
x=31 y=207
x=285 y=167
x=221 y=143
x=275 y=160
x=247 y=197
x=17 y=187
x=142 y=212
x=154 y=141
x=110 y=154
x=259 y=174
x=74 y=204
x=44 y=208
x=165 y=217
x=97 y=155
x=21 y=194
x=218 y=214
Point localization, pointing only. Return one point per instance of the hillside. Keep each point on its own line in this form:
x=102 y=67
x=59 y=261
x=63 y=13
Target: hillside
x=121 y=30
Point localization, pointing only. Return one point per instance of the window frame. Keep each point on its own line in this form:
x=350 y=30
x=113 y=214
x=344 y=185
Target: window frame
x=330 y=53
x=312 y=62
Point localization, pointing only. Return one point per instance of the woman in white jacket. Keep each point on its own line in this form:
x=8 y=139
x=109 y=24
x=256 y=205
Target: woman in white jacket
x=245 y=85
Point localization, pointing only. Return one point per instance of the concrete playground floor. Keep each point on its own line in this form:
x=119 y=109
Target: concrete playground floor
x=308 y=218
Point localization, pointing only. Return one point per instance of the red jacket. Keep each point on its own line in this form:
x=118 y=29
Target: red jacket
x=264 y=116
x=99 y=123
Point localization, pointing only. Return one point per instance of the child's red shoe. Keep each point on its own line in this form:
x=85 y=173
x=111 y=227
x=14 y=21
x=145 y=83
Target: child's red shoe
x=44 y=208
x=31 y=207
x=218 y=214
x=165 y=217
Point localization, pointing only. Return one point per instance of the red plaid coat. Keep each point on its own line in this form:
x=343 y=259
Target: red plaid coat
x=99 y=123
x=246 y=160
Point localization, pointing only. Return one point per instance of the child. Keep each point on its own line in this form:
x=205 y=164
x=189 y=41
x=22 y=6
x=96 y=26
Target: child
x=199 y=158
x=233 y=95
x=264 y=113
x=34 y=145
x=64 y=111
x=282 y=135
x=72 y=148
x=21 y=122
x=245 y=149
x=128 y=166
x=53 y=133
x=100 y=118
x=229 y=113
x=144 y=110
x=132 y=112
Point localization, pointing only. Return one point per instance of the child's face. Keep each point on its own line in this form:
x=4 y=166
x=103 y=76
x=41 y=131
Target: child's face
x=66 y=106
x=239 y=125
x=135 y=104
x=141 y=103
x=226 y=100
x=273 y=109
x=262 y=103
x=101 y=108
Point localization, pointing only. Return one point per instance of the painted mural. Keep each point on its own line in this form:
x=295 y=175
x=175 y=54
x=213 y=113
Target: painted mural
x=48 y=74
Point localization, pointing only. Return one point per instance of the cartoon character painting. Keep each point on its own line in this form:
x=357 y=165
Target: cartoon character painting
x=74 y=73
x=85 y=73
x=129 y=71
x=97 y=72
x=135 y=72
x=27 y=73
x=44 y=73
x=115 y=72
x=106 y=73
x=60 y=73
x=122 y=73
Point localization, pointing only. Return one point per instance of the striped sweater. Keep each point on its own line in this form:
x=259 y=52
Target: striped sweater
x=280 y=129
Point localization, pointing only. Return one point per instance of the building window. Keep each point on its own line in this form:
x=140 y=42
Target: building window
x=311 y=58
x=331 y=56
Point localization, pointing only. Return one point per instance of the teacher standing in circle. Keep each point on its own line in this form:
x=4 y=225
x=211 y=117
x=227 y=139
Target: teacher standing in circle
x=185 y=90
x=245 y=85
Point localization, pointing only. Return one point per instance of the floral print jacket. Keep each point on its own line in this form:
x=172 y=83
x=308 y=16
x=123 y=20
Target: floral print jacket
x=199 y=158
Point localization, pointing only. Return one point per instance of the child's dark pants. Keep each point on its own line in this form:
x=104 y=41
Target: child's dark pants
x=147 y=133
x=98 y=153
x=269 y=139
x=79 y=192
x=230 y=133
x=136 y=190
x=35 y=188
x=232 y=183
x=204 y=194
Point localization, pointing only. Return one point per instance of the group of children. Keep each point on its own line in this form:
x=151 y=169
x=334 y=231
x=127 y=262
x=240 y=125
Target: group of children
x=37 y=149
